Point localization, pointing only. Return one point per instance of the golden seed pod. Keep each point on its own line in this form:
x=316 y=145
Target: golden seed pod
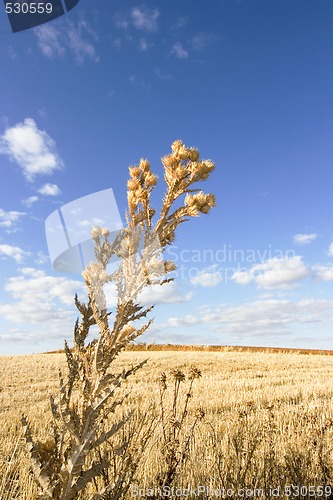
x=134 y=172
x=176 y=145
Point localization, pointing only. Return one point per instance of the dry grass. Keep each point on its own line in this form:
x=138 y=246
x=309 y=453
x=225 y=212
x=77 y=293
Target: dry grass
x=268 y=423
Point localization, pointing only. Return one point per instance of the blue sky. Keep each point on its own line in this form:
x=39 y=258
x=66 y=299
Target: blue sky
x=247 y=82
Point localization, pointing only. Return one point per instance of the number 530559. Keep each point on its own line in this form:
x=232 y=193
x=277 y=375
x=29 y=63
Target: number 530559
x=28 y=8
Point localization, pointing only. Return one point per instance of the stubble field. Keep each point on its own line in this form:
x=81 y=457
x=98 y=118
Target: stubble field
x=267 y=430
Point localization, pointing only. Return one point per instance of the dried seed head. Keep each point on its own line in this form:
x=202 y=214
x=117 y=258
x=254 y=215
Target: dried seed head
x=163 y=380
x=133 y=184
x=174 y=422
x=200 y=413
x=169 y=266
x=193 y=154
x=105 y=232
x=150 y=179
x=178 y=375
x=176 y=146
x=194 y=373
x=134 y=172
x=144 y=165
x=96 y=232
x=199 y=203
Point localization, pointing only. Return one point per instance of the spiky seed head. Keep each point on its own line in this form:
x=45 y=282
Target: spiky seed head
x=134 y=172
x=193 y=154
x=200 y=413
x=176 y=146
x=194 y=373
x=105 y=232
x=144 y=165
x=163 y=380
x=150 y=179
x=178 y=375
x=96 y=232
x=133 y=184
x=199 y=202
x=169 y=266
x=169 y=161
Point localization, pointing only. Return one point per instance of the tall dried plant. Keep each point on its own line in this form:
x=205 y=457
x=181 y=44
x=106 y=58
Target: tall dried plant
x=64 y=465
x=176 y=437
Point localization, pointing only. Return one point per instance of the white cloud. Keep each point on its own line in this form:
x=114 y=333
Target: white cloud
x=143 y=44
x=202 y=40
x=163 y=76
x=50 y=40
x=163 y=294
x=323 y=273
x=42 y=258
x=275 y=273
x=133 y=80
x=187 y=320
x=77 y=39
x=9 y=219
x=117 y=43
x=32 y=149
x=94 y=221
x=39 y=298
x=180 y=23
x=208 y=277
x=259 y=317
x=179 y=51
x=304 y=239
x=28 y=202
x=49 y=190
x=145 y=19
x=330 y=250
x=13 y=252
x=80 y=47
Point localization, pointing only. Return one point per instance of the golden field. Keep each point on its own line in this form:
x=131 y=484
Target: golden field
x=268 y=422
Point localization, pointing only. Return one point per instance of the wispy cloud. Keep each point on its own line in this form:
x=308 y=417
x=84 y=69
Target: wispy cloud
x=50 y=40
x=143 y=45
x=141 y=17
x=13 y=252
x=133 y=80
x=42 y=258
x=8 y=220
x=66 y=37
x=264 y=318
x=304 y=238
x=49 y=190
x=180 y=23
x=163 y=76
x=179 y=51
x=28 y=202
x=330 y=250
x=201 y=41
x=32 y=149
x=77 y=43
x=145 y=18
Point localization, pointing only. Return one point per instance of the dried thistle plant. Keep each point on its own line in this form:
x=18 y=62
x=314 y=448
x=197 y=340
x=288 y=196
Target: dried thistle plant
x=176 y=437
x=64 y=465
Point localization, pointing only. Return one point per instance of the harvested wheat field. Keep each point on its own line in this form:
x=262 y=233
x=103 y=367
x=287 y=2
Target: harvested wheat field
x=256 y=424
